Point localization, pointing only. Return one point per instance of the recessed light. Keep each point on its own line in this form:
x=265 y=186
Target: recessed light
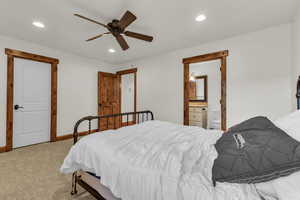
x=38 y=24
x=200 y=18
x=111 y=50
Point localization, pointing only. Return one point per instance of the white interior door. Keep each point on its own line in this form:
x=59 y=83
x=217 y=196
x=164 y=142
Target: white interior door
x=32 y=102
x=127 y=95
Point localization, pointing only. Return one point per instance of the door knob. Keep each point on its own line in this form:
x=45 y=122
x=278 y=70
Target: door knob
x=17 y=107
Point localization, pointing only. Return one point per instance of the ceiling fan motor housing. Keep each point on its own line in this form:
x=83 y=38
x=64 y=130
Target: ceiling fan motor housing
x=114 y=27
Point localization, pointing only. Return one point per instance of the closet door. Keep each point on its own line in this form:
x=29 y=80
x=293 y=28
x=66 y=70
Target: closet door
x=32 y=92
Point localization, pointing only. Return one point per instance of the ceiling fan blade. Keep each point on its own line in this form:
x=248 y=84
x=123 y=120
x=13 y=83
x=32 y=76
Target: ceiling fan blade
x=139 y=36
x=91 y=20
x=127 y=19
x=97 y=36
x=122 y=42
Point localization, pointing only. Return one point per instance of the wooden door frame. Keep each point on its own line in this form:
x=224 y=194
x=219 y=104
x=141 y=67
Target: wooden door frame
x=129 y=71
x=119 y=74
x=11 y=54
x=222 y=56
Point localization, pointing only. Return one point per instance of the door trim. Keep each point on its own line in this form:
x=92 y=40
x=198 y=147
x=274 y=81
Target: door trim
x=221 y=55
x=11 y=54
x=129 y=71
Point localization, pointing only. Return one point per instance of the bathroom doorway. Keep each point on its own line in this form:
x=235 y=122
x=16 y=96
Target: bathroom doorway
x=205 y=90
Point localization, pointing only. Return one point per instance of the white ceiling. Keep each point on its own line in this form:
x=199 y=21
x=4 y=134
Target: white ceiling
x=171 y=22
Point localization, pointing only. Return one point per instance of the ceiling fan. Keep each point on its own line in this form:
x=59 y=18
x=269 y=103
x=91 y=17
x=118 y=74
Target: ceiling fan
x=117 y=29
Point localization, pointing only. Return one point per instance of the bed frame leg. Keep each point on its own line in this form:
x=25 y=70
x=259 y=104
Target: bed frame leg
x=74 y=184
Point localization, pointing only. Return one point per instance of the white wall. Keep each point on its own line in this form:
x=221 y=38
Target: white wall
x=259 y=76
x=77 y=84
x=296 y=54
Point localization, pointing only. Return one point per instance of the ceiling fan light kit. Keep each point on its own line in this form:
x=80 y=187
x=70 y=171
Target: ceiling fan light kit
x=118 y=28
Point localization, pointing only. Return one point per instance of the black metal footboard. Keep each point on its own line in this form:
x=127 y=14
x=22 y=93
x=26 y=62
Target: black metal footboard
x=106 y=122
x=113 y=121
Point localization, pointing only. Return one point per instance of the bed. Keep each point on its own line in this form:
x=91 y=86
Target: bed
x=155 y=160
x=150 y=160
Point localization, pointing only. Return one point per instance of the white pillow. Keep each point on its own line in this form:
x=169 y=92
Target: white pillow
x=267 y=190
x=284 y=188
x=290 y=124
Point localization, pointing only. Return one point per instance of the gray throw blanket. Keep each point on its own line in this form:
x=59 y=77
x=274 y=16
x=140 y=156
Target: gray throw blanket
x=255 y=151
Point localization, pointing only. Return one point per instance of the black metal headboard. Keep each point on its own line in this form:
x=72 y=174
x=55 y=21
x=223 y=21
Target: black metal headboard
x=298 y=94
x=137 y=117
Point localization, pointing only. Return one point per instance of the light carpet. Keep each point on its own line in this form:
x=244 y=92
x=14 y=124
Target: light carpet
x=32 y=173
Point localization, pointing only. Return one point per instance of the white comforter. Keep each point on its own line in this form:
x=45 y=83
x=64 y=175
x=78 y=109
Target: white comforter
x=155 y=161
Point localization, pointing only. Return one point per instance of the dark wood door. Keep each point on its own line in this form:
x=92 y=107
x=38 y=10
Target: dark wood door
x=108 y=100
